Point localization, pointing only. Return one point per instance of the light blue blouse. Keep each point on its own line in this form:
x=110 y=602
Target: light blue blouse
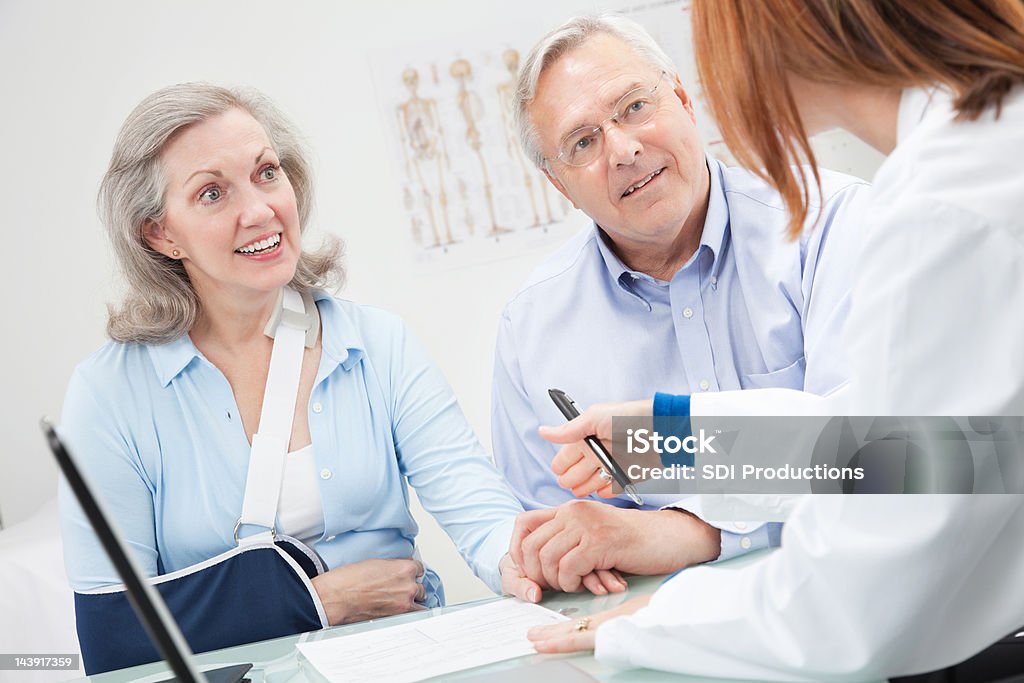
x=157 y=431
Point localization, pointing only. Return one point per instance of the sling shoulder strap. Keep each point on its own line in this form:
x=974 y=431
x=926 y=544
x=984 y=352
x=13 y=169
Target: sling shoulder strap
x=293 y=327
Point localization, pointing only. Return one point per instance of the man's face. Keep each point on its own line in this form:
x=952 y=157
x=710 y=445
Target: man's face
x=581 y=89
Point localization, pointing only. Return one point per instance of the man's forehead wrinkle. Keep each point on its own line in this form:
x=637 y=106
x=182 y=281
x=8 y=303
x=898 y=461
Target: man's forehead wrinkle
x=591 y=107
x=606 y=108
x=605 y=60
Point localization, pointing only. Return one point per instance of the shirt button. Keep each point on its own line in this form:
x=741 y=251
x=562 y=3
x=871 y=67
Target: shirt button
x=687 y=312
x=325 y=473
x=745 y=543
x=704 y=385
x=714 y=280
x=317 y=407
x=330 y=538
x=740 y=525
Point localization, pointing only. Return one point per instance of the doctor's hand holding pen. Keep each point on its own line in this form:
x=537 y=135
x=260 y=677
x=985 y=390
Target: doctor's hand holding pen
x=575 y=464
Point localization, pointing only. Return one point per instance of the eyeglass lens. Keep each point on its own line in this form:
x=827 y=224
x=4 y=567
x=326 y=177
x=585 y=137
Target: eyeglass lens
x=585 y=144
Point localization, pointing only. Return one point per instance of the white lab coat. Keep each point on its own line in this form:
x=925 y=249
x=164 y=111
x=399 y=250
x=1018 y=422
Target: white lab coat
x=874 y=586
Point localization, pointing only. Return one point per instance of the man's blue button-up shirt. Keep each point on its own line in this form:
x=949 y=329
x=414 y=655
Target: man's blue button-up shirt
x=750 y=309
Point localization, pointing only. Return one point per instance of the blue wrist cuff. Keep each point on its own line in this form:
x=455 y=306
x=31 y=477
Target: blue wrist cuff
x=672 y=405
x=672 y=418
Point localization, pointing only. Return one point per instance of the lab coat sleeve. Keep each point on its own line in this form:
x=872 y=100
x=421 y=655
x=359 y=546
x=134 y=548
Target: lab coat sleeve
x=443 y=460
x=761 y=403
x=936 y=325
x=864 y=587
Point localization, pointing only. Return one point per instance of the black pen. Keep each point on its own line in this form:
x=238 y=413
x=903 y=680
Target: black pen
x=568 y=408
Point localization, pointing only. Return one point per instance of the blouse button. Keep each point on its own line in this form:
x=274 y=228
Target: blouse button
x=318 y=408
x=325 y=473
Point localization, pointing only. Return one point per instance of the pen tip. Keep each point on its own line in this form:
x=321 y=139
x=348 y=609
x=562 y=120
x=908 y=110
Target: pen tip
x=633 y=494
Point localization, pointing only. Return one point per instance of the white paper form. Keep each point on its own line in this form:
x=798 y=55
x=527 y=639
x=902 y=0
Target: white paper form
x=430 y=647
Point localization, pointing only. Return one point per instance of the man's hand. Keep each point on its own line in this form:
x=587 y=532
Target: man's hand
x=560 y=546
x=598 y=582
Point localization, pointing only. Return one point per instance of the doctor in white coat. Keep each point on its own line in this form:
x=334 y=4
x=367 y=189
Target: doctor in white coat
x=865 y=586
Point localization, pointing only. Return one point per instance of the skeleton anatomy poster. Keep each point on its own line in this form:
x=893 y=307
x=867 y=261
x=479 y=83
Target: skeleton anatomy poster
x=467 y=191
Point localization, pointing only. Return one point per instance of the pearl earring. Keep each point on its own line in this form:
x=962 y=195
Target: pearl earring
x=175 y=253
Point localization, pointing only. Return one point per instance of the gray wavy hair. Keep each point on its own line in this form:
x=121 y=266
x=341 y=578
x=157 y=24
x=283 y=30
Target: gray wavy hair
x=563 y=40
x=161 y=305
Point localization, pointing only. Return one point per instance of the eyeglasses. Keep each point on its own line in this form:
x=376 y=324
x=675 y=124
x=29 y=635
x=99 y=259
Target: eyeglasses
x=584 y=145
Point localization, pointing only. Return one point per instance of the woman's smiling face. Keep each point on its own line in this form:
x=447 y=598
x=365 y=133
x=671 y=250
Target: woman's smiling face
x=229 y=210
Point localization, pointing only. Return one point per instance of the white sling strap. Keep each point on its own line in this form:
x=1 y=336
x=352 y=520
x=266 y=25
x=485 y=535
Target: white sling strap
x=293 y=326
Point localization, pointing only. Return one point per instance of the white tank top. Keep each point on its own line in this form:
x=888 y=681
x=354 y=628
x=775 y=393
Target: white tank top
x=299 y=510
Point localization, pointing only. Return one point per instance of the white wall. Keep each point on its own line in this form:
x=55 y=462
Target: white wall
x=71 y=71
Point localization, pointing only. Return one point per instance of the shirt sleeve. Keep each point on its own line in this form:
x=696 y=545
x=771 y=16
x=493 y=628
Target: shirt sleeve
x=851 y=593
x=760 y=536
x=443 y=460
x=738 y=537
x=523 y=457
x=830 y=254
x=94 y=428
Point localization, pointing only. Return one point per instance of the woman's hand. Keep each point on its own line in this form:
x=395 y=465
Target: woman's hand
x=514 y=582
x=370 y=589
x=575 y=465
x=567 y=637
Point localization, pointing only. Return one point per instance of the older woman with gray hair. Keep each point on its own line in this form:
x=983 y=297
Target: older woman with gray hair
x=251 y=434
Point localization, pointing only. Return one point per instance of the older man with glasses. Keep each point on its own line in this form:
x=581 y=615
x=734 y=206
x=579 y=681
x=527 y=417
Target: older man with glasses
x=682 y=281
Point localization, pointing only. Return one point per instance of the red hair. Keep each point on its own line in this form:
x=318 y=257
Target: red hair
x=746 y=50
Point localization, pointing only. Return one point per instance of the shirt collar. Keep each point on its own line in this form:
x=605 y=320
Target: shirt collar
x=172 y=358
x=919 y=104
x=715 y=223
x=616 y=268
x=712 y=237
x=341 y=343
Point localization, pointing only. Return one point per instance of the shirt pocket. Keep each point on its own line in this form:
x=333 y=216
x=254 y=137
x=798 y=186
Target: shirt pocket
x=789 y=377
